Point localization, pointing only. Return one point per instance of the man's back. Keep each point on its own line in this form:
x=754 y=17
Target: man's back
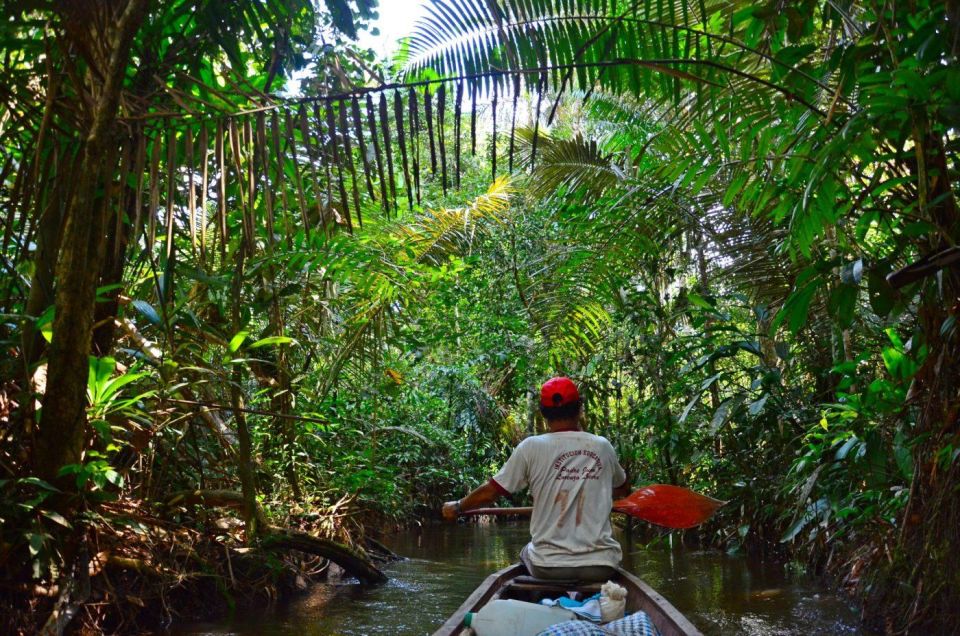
x=571 y=476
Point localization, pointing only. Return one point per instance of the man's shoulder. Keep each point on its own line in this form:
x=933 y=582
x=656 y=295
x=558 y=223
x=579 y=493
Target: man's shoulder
x=563 y=439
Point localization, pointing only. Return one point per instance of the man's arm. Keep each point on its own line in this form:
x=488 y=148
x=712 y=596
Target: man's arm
x=478 y=498
x=623 y=489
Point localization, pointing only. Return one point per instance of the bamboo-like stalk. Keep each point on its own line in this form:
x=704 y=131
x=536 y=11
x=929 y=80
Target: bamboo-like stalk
x=297 y=180
x=121 y=209
x=441 y=109
x=513 y=120
x=348 y=156
x=374 y=139
x=9 y=219
x=332 y=132
x=154 y=191
x=235 y=154
x=325 y=160
x=7 y=169
x=279 y=161
x=138 y=167
x=388 y=148
x=221 y=189
x=243 y=181
x=428 y=115
x=204 y=184
x=16 y=192
x=457 y=112
x=170 y=168
x=264 y=159
x=313 y=157
x=42 y=174
x=398 y=118
x=493 y=141
x=536 y=122
x=415 y=141
x=249 y=152
x=473 y=119
x=191 y=202
x=362 y=145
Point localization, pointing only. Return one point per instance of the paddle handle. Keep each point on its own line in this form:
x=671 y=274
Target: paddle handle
x=524 y=511
x=476 y=512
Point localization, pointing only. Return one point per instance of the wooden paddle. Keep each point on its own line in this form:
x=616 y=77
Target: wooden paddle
x=662 y=504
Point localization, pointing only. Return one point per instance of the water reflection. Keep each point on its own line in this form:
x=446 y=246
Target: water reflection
x=719 y=593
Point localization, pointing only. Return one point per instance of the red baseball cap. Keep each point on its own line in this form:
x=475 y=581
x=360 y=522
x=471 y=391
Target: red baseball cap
x=558 y=392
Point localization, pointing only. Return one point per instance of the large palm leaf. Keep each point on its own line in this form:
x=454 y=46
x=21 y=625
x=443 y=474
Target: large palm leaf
x=663 y=48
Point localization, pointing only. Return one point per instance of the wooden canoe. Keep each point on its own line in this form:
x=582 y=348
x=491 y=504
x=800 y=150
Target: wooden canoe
x=512 y=582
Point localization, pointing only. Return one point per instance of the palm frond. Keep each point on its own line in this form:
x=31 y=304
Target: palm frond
x=376 y=280
x=437 y=233
x=567 y=165
x=662 y=50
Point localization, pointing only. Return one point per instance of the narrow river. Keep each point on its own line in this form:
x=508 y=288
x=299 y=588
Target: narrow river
x=721 y=594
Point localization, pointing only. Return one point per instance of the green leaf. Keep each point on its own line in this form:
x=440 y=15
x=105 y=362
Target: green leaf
x=99 y=373
x=686 y=411
x=342 y=17
x=851 y=273
x=36 y=481
x=723 y=412
x=882 y=295
x=45 y=324
x=117 y=383
x=272 y=340
x=843 y=303
x=700 y=301
x=56 y=517
x=237 y=340
x=902 y=455
x=756 y=407
x=898 y=364
x=709 y=382
x=947 y=327
x=815 y=509
x=148 y=312
x=795 y=310
x=918 y=228
x=35 y=541
x=844 y=450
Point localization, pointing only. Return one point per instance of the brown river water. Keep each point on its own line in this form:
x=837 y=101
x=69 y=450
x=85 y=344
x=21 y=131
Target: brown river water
x=719 y=593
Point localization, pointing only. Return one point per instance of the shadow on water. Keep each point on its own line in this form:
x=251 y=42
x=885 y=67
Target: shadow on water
x=721 y=594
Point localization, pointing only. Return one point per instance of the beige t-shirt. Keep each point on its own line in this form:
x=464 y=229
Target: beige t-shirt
x=571 y=476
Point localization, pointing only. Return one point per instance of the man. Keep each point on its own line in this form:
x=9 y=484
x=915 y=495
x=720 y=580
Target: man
x=573 y=477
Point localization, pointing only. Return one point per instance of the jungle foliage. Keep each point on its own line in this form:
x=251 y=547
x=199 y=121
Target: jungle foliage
x=734 y=224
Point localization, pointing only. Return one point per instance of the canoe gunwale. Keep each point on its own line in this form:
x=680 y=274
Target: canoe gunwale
x=641 y=596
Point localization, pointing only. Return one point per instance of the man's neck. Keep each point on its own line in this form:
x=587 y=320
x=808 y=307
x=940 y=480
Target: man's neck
x=565 y=426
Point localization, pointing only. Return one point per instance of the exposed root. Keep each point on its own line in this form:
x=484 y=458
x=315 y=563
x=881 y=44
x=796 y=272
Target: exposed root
x=379 y=552
x=352 y=561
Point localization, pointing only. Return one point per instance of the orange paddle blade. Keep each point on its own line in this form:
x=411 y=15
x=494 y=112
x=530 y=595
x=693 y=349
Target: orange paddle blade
x=669 y=506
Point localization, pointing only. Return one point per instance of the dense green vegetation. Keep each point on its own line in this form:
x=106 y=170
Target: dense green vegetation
x=734 y=225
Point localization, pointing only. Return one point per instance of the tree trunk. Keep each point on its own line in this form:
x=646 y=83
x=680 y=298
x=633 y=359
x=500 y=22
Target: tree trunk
x=105 y=330
x=61 y=432
x=253 y=515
